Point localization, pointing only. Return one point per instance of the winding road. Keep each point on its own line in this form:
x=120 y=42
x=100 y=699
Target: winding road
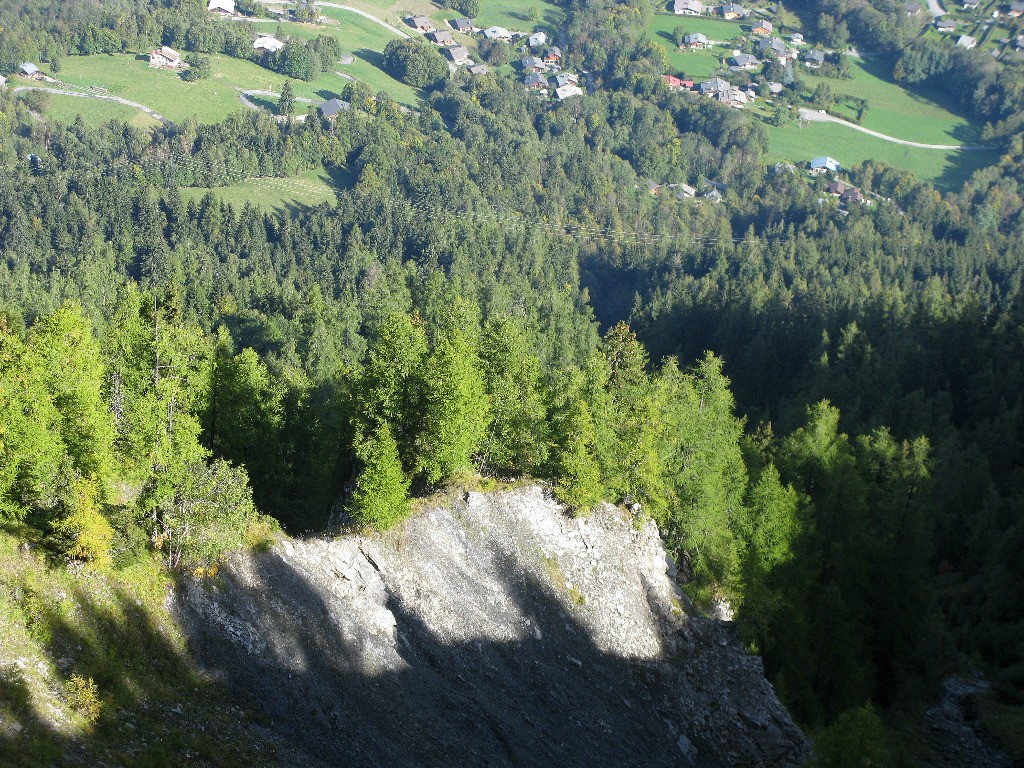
x=369 y=16
x=814 y=116
x=79 y=95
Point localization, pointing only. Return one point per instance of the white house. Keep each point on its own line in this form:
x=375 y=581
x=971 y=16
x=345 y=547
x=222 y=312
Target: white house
x=687 y=7
x=221 y=7
x=165 y=58
x=497 y=33
x=268 y=43
x=538 y=39
x=820 y=165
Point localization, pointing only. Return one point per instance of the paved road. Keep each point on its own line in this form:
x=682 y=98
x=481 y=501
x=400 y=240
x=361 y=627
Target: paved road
x=815 y=116
x=79 y=95
x=244 y=96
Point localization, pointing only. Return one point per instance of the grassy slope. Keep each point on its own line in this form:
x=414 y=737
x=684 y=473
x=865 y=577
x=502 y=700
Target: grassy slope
x=698 y=65
x=311 y=188
x=897 y=112
x=948 y=170
x=96 y=113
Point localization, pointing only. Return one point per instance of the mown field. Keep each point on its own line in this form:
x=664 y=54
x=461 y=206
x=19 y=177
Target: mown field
x=698 y=65
x=274 y=194
x=895 y=111
x=95 y=112
x=946 y=169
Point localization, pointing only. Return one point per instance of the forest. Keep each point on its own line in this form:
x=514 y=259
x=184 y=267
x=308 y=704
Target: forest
x=820 y=408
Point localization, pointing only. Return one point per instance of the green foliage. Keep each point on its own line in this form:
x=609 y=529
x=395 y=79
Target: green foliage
x=198 y=68
x=516 y=438
x=415 y=62
x=381 y=498
x=576 y=471
x=286 y=102
x=468 y=8
x=456 y=408
x=85 y=533
x=856 y=740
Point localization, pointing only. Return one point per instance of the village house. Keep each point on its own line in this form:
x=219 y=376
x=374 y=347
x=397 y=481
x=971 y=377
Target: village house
x=733 y=11
x=966 y=41
x=497 y=33
x=331 y=108
x=3 y=81
x=945 y=26
x=796 y=38
x=713 y=86
x=478 y=69
x=775 y=88
x=465 y=26
x=1017 y=9
x=687 y=7
x=567 y=91
x=912 y=8
x=673 y=82
x=267 y=43
x=820 y=165
x=221 y=7
x=697 y=41
x=441 y=37
x=566 y=78
x=28 y=69
x=971 y=5
x=684 y=191
x=537 y=39
x=457 y=54
x=836 y=187
x=652 y=186
x=852 y=196
x=533 y=64
x=773 y=46
x=745 y=62
x=814 y=59
x=762 y=28
x=1020 y=43
x=553 y=55
x=421 y=24
x=166 y=58
x=535 y=82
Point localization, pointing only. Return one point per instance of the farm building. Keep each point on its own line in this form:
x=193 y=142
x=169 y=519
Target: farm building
x=267 y=43
x=820 y=165
x=166 y=58
x=221 y=7
x=687 y=7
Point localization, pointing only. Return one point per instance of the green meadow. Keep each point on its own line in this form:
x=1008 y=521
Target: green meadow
x=273 y=193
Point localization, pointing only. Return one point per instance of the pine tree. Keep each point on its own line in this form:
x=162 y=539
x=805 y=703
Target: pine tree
x=381 y=498
x=286 y=101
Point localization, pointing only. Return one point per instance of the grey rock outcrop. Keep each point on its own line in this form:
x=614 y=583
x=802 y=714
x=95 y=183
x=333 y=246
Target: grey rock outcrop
x=493 y=631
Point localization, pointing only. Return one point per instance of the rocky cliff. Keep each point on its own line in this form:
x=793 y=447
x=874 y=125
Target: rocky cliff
x=495 y=631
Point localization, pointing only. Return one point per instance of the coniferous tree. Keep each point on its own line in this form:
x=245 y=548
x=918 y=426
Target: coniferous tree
x=381 y=497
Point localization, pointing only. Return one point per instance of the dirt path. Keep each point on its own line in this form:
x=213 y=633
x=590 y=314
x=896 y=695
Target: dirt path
x=78 y=95
x=244 y=96
x=815 y=116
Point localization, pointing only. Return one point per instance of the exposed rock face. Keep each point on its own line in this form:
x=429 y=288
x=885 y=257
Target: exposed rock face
x=496 y=631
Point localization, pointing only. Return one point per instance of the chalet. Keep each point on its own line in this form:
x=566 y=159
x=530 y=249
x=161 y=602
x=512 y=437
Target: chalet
x=221 y=7
x=567 y=78
x=28 y=69
x=567 y=91
x=1017 y=8
x=497 y=33
x=733 y=11
x=971 y=5
x=478 y=69
x=553 y=55
x=713 y=86
x=762 y=28
x=772 y=46
x=533 y=64
x=912 y=8
x=652 y=186
x=713 y=195
x=331 y=108
x=697 y=41
x=945 y=26
x=820 y=165
x=687 y=7
x=535 y=82
x=165 y=58
x=852 y=195
x=465 y=26
x=267 y=43
x=457 y=55
x=538 y=39
x=814 y=59
x=734 y=97
x=836 y=187
x=421 y=24
x=673 y=82
x=745 y=62
x=442 y=37
x=684 y=191
x=966 y=41
x=796 y=38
